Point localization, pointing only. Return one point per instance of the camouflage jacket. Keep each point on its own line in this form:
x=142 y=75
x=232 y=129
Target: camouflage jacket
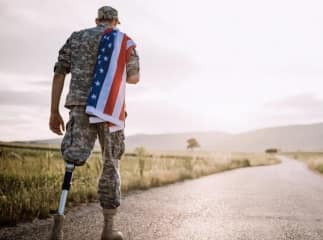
x=78 y=57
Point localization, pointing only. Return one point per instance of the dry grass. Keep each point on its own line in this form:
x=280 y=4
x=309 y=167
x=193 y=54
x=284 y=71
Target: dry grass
x=313 y=159
x=30 y=179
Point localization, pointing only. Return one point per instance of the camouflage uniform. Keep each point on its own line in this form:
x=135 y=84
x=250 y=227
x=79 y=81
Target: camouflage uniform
x=78 y=57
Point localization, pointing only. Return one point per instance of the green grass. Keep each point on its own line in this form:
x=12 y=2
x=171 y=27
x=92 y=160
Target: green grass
x=31 y=178
x=314 y=160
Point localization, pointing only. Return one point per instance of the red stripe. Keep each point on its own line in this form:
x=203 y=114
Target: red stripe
x=114 y=91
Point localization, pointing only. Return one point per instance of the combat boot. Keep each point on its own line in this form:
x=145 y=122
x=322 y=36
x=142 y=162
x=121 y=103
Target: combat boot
x=57 y=230
x=108 y=232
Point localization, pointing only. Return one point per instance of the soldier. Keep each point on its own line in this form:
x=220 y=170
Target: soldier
x=78 y=56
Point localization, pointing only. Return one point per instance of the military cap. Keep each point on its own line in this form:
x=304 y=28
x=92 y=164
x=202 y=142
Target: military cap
x=107 y=13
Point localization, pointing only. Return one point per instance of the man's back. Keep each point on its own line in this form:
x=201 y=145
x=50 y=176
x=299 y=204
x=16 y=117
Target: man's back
x=78 y=56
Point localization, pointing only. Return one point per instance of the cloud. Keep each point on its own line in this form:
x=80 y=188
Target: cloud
x=21 y=122
x=147 y=114
x=209 y=65
x=32 y=34
x=31 y=38
x=302 y=103
x=20 y=98
x=294 y=109
x=42 y=83
x=164 y=65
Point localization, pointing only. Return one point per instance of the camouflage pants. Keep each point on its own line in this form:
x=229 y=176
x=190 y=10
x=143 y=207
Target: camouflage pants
x=78 y=143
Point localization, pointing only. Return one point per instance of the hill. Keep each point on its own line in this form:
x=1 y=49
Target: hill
x=287 y=138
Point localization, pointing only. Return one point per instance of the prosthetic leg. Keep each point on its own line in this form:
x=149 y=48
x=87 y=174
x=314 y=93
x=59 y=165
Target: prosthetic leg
x=57 y=230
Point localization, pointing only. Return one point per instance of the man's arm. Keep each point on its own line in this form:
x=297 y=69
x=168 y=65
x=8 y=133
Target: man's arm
x=61 y=68
x=56 y=123
x=133 y=75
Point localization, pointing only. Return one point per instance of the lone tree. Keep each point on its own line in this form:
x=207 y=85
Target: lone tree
x=271 y=150
x=141 y=153
x=192 y=143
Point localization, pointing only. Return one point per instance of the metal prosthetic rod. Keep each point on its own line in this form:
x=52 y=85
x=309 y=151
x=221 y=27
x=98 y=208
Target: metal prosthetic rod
x=65 y=187
x=57 y=229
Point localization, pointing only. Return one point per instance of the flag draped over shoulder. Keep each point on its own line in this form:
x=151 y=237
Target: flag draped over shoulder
x=106 y=100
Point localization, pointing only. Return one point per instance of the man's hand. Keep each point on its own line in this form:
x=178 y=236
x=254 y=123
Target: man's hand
x=133 y=79
x=56 y=123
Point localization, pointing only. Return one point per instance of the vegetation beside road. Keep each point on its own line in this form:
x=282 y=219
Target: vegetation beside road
x=30 y=179
x=314 y=160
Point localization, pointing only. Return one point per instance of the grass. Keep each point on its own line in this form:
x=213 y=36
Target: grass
x=314 y=160
x=31 y=178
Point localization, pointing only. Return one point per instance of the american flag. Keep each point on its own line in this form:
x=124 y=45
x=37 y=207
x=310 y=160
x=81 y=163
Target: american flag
x=106 y=100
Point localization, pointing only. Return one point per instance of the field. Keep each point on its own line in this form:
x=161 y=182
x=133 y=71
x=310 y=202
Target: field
x=31 y=177
x=314 y=160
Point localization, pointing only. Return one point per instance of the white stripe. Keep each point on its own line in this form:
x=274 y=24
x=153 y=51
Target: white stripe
x=107 y=118
x=95 y=120
x=115 y=128
x=105 y=90
x=130 y=43
x=120 y=98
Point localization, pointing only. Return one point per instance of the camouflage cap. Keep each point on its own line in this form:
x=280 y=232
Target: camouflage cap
x=107 y=13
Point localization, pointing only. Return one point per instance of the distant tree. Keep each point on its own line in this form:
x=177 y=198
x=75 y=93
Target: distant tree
x=141 y=153
x=271 y=150
x=192 y=143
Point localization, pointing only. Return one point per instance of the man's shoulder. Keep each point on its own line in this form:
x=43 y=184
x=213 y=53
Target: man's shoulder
x=87 y=32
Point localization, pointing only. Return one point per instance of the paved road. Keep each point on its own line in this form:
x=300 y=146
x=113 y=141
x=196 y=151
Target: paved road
x=278 y=202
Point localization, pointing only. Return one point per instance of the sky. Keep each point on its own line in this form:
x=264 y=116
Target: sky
x=228 y=66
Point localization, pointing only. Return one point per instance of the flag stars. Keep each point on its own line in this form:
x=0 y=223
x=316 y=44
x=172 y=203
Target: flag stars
x=101 y=70
x=110 y=45
x=106 y=58
x=103 y=49
x=99 y=56
x=97 y=83
x=99 y=62
x=93 y=96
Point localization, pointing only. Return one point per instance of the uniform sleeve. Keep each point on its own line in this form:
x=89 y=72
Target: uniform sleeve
x=63 y=64
x=133 y=63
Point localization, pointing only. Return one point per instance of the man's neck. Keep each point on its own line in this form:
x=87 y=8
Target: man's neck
x=106 y=25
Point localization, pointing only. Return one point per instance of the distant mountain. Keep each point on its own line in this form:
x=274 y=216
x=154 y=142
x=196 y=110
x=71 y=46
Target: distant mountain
x=176 y=141
x=287 y=138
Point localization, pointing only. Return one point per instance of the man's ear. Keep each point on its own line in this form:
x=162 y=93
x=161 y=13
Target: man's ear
x=97 y=21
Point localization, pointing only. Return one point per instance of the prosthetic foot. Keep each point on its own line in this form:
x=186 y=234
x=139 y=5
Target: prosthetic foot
x=108 y=232
x=57 y=230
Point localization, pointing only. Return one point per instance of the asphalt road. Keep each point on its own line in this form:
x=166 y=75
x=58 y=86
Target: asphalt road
x=283 y=201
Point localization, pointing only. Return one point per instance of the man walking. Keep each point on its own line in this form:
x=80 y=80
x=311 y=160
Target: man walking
x=101 y=60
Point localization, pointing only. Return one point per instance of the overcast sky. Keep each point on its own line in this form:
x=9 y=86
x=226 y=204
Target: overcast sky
x=205 y=65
